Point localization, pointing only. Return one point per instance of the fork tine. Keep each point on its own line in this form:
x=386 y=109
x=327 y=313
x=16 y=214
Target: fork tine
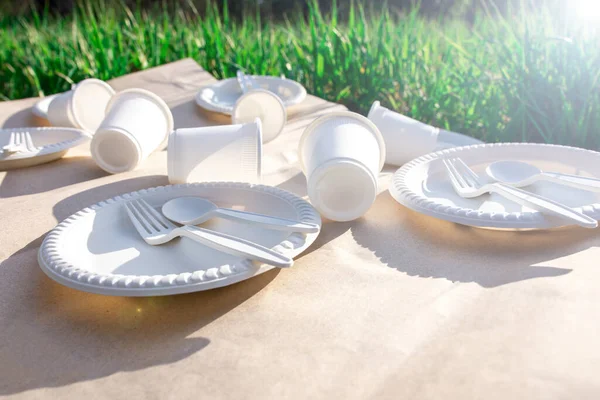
x=455 y=178
x=464 y=183
x=148 y=221
x=29 y=142
x=11 y=143
x=147 y=218
x=11 y=140
x=158 y=216
x=469 y=171
x=137 y=221
x=464 y=176
x=457 y=185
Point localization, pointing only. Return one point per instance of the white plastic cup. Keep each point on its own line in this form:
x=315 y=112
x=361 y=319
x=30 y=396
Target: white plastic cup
x=260 y=103
x=405 y=138
x=137 y=123
x=216 y=153
x=341 y=155
x=82 y=107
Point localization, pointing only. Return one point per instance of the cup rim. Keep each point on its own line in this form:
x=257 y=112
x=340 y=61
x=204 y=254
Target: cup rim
x=125 y=133
x=152 y=97
x=367 y=123
x=74 y=91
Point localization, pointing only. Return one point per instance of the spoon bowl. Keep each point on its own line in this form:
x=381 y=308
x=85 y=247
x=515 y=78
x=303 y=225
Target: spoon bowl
x=196 y=210
x=189 y=210
x=518 y=174
x=514 y=173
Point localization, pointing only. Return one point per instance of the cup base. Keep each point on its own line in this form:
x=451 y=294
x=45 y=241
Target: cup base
x=88 y=103
x=115 y=151
x=266 y=106
x=342 y=190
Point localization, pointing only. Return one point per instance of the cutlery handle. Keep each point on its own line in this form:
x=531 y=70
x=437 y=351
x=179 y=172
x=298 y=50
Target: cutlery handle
x=575 y=181
x=543 y=204
x=279 y=224
x=236 y=246
x=241 y=78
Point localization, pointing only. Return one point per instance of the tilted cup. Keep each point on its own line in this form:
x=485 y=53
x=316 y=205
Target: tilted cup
x=260 y=103
x=341 y=155
x=405 y=138
x=216 y=153
x=82 y=107
x=137 y=123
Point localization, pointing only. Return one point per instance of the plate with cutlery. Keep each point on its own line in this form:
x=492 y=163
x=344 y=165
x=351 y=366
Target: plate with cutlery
x=25 y=147
x=179 y=239
x=513 y=186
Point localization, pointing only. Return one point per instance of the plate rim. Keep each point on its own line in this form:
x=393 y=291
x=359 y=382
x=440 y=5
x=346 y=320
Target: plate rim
x=75 y=276
x=229 y=110
x=49 y=148
x=400 y=191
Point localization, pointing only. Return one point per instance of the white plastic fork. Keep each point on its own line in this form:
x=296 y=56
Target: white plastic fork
x=155 y=229
x=467 y=184
x=245 y=82
x=19 y=142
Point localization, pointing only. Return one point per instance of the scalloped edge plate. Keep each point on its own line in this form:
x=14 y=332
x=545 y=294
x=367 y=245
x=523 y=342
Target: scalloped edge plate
x=43 y=154
x=231 y=87
x=53 y=259
x=403 y=185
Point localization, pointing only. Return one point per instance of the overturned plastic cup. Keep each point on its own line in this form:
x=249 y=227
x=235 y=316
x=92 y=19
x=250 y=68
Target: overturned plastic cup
x=341 y=155
x=137 y=123
x=405 y=138
x=82 y=107
x=216 y=153
x=260 y=103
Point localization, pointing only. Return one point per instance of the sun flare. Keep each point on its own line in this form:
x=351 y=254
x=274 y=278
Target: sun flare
x=587 y=9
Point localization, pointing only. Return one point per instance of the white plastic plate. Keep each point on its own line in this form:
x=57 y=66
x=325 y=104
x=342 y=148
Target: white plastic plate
x=221 y=96
x=98 y=249
x=40 y=109
x=423 y=185
x=50 y=143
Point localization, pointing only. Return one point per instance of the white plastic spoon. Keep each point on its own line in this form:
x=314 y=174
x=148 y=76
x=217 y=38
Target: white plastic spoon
x=518 y=174
x=196 y=210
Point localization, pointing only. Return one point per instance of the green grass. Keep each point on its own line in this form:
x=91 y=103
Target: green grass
x=531 y=77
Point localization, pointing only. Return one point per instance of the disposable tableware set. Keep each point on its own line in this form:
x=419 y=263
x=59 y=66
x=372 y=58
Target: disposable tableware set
x=215 y=225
